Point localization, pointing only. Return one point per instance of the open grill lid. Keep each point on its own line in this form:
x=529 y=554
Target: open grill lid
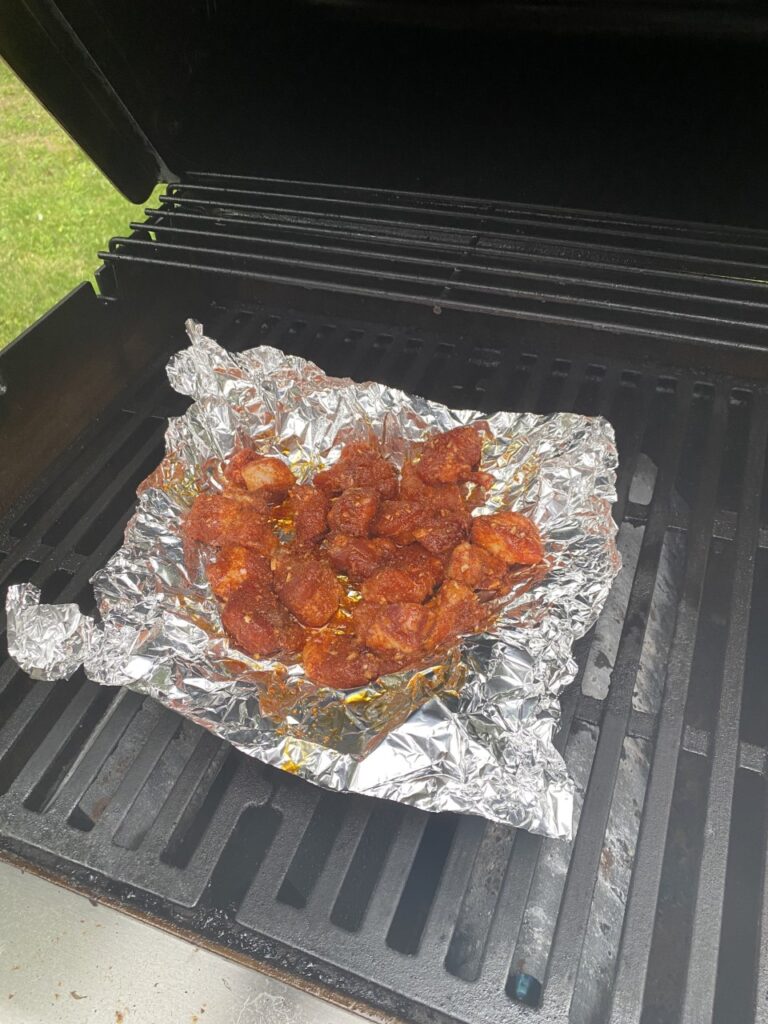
x=639 y=107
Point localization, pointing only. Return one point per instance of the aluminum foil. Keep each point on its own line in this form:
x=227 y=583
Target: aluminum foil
x=470 y=732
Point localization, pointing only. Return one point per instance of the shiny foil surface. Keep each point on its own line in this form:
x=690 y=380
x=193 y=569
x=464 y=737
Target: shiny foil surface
x=470 y=731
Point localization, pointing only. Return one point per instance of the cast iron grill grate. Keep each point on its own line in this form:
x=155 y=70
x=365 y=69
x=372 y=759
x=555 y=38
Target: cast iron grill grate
x=667 y=279
x=445 y=918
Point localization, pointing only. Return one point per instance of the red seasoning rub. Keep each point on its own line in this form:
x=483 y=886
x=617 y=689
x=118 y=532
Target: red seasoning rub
x=354 y=511
x=442 y=531
x=375 y=570
x=401 y=628
x=233 y=468
x=235 y=566
x=475 y=567
x=513 y=538
x=339 y=660
x=457 y=612
x=411 y=574
x=360 y=464
x=436 y=496
x=260 y=474
x=307 y=586
x=219 y=519
x=398 y=519
x=259 y=624
x=309 y=507
x=358 y=557
x=451 y=457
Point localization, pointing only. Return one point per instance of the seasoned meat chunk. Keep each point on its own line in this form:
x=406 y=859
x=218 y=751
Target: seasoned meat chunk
x=399 y=629
x=398 y=519
x=420 y=564
x=390 y=585
x=441 y=532
x=270 y=477
x=309 y=507
x=220 y=519
x=339 y=661
x=456 y=611
x=450 y=457
x=512 y=537
x=260 y=474
x=233 y=467
x=248 y=499
x=410 y=576
x=476 y=568
x=360 y=465
x=357 y=557
x=481 y=479
x=259 y=624
x=235 y=566
x=475 y=496
x=307 y=586
x=435 y=496
x=354 y=511
x=476 y=489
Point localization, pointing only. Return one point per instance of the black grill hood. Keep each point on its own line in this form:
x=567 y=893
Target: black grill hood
x=639 y=107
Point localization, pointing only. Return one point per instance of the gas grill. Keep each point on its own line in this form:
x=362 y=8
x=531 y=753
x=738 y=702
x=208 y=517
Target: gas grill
x=656 y=911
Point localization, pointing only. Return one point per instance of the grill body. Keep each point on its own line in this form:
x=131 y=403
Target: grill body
x=371 y=126
x=650 y=914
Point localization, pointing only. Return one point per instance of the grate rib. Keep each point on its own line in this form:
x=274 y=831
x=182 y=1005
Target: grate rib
x=505 y=927
x=574 y=913
x=511 y=216
x=394 y=875
x=761 y=986
x=326 y=889
x=138 y=773
x=87 y=696
x=296 y=803
x=34 y=534
x=587 y=302
x=637 y=931
x=497 y=261
x=101 y=744
x=441 y=919
x=207 y=759
x=515 y=249
x=705 y=940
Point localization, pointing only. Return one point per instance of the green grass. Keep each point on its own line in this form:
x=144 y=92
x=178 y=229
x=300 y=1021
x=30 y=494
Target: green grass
x=56 y=209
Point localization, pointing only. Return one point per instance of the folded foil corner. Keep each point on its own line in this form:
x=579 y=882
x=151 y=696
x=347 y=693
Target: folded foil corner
x=48 y=641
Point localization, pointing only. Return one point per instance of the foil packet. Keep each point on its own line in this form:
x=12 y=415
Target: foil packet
x=471 y=733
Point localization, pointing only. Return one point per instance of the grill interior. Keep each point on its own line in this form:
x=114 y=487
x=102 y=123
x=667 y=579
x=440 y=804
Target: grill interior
x=651 y=914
